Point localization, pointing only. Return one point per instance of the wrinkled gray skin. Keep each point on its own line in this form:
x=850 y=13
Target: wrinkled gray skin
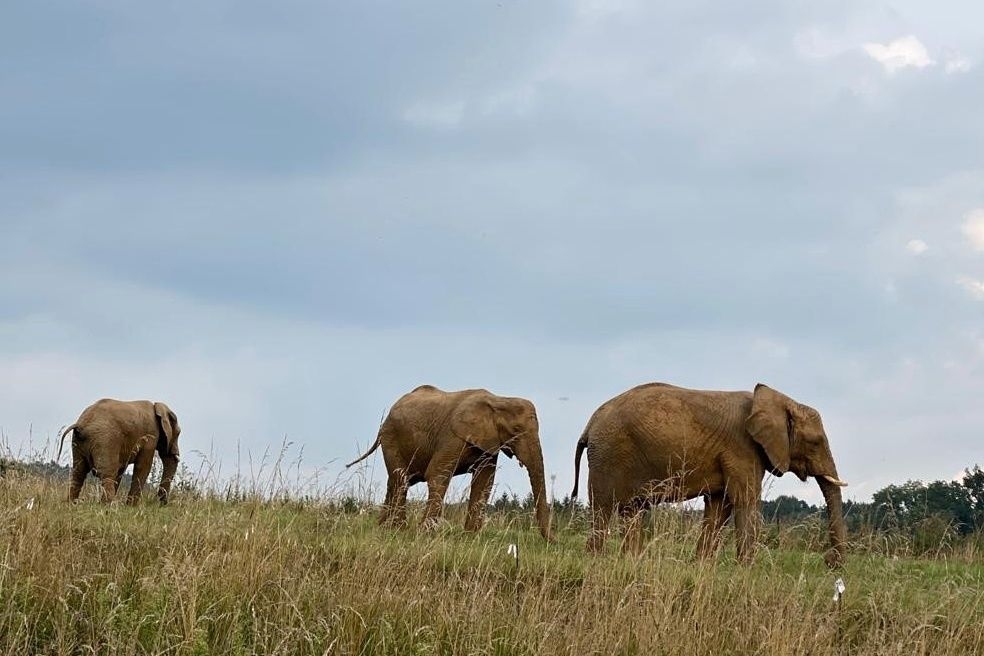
x=110 y=435
x=431 y=435
x=658 y=442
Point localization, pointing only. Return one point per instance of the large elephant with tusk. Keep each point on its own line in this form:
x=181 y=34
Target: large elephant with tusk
x=658 y=442
x=431 y=435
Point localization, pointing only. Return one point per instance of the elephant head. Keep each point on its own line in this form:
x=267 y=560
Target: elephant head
x=167 y=441
x=169 y=428
x=793 y=439
x=494 y=423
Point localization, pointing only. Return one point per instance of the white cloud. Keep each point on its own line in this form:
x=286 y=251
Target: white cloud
x=916 y=246
x=973 y=228
x=973 y=286
x=901 y=53
x=956 y=64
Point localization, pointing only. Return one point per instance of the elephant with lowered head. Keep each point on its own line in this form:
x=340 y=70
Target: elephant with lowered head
x=431 y=435
x=659 y=442
x=110 y=435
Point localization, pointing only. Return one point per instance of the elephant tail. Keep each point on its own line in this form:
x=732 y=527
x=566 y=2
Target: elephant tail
x=582 y=444
x=375 y=445
x=62 y=442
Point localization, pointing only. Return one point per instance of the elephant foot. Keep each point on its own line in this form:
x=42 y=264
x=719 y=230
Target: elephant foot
x=833 y=559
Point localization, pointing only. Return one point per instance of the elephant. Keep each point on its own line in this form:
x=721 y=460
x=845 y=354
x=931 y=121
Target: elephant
x=658 y=442
x=431 y=435
x=111 y=434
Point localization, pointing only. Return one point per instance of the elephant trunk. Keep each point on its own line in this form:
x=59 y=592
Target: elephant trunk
x=831 y=490
x=529 y=453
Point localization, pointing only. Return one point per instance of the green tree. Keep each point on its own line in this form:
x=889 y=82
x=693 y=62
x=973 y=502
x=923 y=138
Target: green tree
x=973 y=480
x=786 y=508
x=913 y=502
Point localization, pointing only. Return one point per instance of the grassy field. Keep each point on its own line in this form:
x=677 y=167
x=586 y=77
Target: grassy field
x=205 y=576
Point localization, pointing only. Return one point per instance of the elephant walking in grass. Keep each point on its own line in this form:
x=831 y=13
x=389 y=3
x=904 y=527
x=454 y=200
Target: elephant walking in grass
x=659 y=442
x=110 y=435
x=431 y=435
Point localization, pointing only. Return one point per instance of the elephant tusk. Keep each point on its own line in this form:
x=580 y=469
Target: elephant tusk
x=834 y=481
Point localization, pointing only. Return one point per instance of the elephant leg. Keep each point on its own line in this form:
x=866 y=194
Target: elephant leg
x=387 y=508
x=748 y=516
x=108 y=488
x=80 y=469
x=107 y=463
x=481 y=486
x=399 y=512
x=437 y=487
x=141 y=470
x=632 y=516
x=602 y=507
x=717 y=510
x=167 y=476
x=394 y=511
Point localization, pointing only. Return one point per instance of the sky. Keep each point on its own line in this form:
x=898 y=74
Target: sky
x=280 y=217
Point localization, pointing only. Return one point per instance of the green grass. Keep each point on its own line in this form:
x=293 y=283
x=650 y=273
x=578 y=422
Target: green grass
x=205 y=576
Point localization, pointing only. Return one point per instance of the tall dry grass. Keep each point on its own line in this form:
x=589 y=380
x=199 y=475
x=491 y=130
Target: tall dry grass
x=207 y=575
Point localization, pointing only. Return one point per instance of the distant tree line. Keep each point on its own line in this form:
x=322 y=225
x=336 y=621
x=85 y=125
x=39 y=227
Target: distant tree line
x=49 y=469
x=958 y=504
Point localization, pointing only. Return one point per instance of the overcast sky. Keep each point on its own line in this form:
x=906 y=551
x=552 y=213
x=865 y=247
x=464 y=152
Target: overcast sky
x=279 y=217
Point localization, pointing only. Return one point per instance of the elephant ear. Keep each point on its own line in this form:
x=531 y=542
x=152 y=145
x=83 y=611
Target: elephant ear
x=768 y=424
x=169 y=426
x=474 y=422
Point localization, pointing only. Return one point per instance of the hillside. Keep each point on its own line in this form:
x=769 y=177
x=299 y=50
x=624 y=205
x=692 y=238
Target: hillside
x=209 y=576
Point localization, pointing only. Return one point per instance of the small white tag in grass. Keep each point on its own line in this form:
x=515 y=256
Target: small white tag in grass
x=30 y=504
x=839 y=588
x=513 y=551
